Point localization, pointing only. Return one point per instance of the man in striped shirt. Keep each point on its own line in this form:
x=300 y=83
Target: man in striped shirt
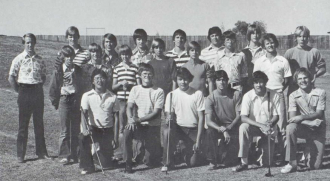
x=210 y=53
x=179 y=54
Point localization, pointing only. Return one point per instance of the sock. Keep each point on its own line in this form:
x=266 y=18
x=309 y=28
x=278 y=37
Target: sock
x=244 y=161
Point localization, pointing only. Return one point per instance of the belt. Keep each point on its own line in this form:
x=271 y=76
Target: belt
x=30 y=85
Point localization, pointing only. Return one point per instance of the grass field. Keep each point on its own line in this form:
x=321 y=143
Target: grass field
x=51 y=170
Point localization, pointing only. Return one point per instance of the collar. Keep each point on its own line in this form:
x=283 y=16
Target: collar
x=136 y=49
x=107 y=92
x=247 y=47
x=211 y=47
x=299 y=93
x=26 y=55
x=65 y=67
x=179 y=55
x=130 y=65
x=222 y=54
x=113 y=54
x=276 y=58
x=193 y=63
x=254 y=95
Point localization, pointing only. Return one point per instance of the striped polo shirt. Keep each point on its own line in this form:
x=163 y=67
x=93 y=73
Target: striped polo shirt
x=210 y=54
x=129 y=74
x=179 y=59
x=82 y=56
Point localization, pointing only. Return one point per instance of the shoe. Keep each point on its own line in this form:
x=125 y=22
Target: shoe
x=288 y=169
x=64 y=161
x=128 y=168
x=85 y=172
x=164 y=169
x=20 y=160
x=212 y=166
x=46 y=157
x=240 y=168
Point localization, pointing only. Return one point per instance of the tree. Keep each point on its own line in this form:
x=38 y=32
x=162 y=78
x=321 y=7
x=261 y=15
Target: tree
x=262 y=25
x=240 y=27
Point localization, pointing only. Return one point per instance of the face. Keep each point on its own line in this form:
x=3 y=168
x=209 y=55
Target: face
x=99 y=82
x=140 y=42
x=73 y=39
x=303 y=81
x=193 y=53
x=183 y=83
x=270 y=46
x=215 y=39
x=221 y=83
x=68 y=61
x=255 y=37
x=95 y=55
x=158 y=49
x=109 y=45
x=125 y=57
x=259 y=86
x=229 y=43
x=179 y=41
x=146 y=77
x=302 y=39
x=29 y=44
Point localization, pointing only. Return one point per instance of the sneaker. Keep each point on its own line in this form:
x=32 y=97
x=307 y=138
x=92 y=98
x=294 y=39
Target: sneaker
x=164 y=169
x=64 y=161
x=288 y=169
x=46 y=157
x=20 y=160
x=85 y=172
x=212 y=166
x=240 y=167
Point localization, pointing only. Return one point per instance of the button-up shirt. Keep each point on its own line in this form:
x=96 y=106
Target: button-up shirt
x=276 y=70
x=68 y=81
x=256 y=107
x=28 y=69
x=210 y=54
x=140 y=57
x=110 y=60
x=234 y=65
x=179 y=59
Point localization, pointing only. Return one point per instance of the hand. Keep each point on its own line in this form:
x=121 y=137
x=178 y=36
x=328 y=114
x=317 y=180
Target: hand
x=265 y=129
x=130 y=126
x=85 y=132
x=115 y=144
x=229 y=127
x=313 y=81
x=131 y=120
x=124 y=84
x=196 y=146
x=296 y=119
x=222 y=129
x=315 y=123
x=227 y=137
x=168 y=119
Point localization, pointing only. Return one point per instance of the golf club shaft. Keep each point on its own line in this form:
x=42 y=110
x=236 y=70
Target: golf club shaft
x=169 y=131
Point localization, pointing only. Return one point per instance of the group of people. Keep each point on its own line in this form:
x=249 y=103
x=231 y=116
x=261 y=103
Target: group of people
x=186 y=105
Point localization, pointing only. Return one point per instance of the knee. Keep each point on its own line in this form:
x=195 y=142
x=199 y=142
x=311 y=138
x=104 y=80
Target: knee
x=243 y=128
x=291 y=128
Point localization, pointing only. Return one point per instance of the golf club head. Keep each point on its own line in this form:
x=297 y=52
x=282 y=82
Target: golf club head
x=268 y=174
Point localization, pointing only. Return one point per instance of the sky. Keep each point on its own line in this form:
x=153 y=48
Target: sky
x=195 y=17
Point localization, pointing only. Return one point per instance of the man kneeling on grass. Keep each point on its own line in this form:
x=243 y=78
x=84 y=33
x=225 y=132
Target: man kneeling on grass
x=101 y=108
x=145 y=126
x=185 y=133
x=306 y=120
x=259 y=115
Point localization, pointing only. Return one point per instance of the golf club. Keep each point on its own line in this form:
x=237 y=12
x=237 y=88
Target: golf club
x=269 y=174
x=169 y=131
x=90 y=135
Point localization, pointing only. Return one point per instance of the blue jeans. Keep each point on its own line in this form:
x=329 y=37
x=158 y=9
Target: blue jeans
x=70 y=126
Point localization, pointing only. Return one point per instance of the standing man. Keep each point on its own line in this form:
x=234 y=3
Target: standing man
x=303 y=55
x=27 y=75
x=179 y=53
x=306 y=120
x=110 y=57
x=233 y=63
x=259 y=114
x=222 y=108
x=210 y=53
x=141 y=51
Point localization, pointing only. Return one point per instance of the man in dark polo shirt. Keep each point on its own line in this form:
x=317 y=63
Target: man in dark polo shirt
x=27 y=75
x=222 y=109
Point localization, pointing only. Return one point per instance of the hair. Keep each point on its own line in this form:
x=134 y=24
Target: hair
x=97 y=72
x=214 y=30
x=111 y=37
x=93 y=47
x=72 y=30
x=257 y=75
x=140 y=33
x=183 y=73
x=145 y=67
x=125 y=49
x=221 y=74
x=269 y=36
x=251 y=29
x=194 y=45
x=228 y=34
x=302 y=70
x=179 y=32
x=300 y=29
x=160 y=42
x=66 y=51
x=30 y=35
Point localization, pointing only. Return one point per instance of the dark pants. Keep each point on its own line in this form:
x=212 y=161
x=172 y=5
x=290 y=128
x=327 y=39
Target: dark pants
x=31 y=101
x=103 y=144
x=180 y=144
x=122 y=123
x=315 y=140
x=150 y=148
x=70 y=126
x=220 y=152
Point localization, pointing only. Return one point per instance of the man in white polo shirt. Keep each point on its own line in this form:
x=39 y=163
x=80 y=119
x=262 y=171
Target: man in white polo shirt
x=259 y=114
x=187 y=105
x=278 y=71
x=101 y=108
x=210 y=53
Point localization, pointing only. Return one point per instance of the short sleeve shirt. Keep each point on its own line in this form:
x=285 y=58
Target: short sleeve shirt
x=140 y=57
x=101 y=108
x=307 y=103
x=234 y=65
x=276 y=70
x=256 y=107
x=129 y=74
x=147 y=100
x=28 y=69
x=179 y=59
x=210 y=54
x=224 y=107
x=186 y=105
